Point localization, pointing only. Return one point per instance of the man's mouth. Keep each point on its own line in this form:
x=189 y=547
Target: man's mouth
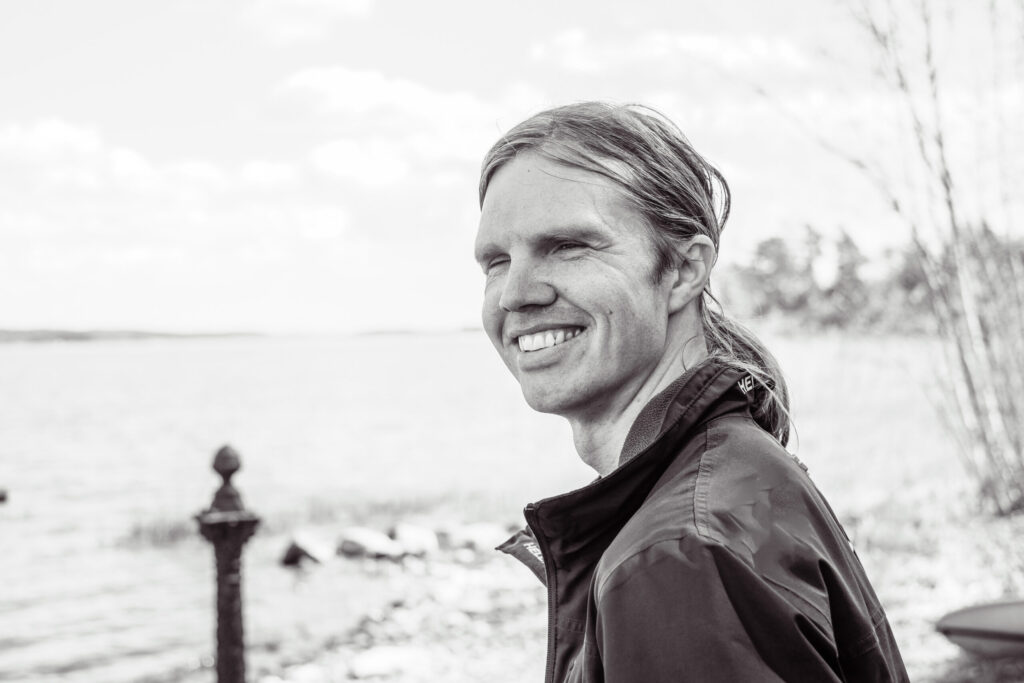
x=547 y=338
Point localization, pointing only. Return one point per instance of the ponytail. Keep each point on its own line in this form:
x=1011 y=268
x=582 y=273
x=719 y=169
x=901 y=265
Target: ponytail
x=736 y=346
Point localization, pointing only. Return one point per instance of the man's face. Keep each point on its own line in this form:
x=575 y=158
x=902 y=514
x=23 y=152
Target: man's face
x=569 y=301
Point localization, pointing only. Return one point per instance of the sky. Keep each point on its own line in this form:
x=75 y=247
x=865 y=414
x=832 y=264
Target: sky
x=311 y=165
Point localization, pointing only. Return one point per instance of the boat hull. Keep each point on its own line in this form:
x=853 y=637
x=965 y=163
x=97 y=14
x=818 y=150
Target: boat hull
x=991 y=630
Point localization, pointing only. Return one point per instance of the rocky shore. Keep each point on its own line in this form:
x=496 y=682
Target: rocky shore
x=465 y=612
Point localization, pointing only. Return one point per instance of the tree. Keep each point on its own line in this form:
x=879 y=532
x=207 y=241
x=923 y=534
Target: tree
x=846 y=299
x=777 y=280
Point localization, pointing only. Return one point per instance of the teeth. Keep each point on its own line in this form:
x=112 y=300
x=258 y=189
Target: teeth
x=547 y=339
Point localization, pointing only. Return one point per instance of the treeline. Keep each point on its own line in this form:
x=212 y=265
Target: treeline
x=828 y=283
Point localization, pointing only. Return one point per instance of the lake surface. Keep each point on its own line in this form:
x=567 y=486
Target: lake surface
x=105 y=449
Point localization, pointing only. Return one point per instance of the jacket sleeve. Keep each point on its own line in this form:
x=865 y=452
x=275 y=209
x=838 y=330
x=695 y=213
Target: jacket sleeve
x=686 y=609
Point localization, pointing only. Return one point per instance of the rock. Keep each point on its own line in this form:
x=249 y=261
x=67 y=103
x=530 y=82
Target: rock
x=476 y=603
x=304 y=547
x=408 y=621
x=465 y=556
x=479 y=536
x=415 y=540
x=363 y=542
x=388 y=660
x=308 y=673
x=416 y=566
x=455 y=619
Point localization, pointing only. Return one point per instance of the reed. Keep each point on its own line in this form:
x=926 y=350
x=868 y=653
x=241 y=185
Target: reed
x=973 y=274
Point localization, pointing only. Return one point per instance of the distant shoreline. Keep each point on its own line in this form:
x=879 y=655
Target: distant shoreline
x=60 y=335
x=45 y=335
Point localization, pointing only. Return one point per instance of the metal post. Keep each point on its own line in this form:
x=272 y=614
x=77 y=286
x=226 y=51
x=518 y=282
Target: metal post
x=228 y=525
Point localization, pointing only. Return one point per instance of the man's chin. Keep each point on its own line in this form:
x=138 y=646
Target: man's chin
x=555 y=401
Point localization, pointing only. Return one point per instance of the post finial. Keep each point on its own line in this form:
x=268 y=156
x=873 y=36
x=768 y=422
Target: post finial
x=225 y=463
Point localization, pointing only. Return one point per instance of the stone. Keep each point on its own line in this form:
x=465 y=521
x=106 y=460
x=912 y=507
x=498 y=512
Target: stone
x=465 y=556
x=478 y=536
x=388 y=660
x=304 y=547
x=475 y=603
x=415 y=540
x=309 y=673
x=363 y=542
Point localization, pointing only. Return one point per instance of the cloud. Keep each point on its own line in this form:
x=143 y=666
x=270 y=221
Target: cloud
x=52 y=153
x=131 y=169
x=48 y=140
x=197 y=174
x=233 y=232
x=197 y=242
x=284 y=22
x=403 y=125
x=371 y=163
x=275 y=229
x=569 y=50
x=268 y=174
x=340 y=89
x=55 y=155
x=572 y=50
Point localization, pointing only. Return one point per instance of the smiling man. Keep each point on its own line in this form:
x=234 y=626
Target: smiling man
x=703 y=552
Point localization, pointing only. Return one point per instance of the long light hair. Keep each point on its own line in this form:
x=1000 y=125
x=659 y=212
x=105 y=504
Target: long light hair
x=679 y=194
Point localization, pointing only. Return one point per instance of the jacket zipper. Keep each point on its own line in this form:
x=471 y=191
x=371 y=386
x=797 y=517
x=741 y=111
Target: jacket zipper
x=532 y=520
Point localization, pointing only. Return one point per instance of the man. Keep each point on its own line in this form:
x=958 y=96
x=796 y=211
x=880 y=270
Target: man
x=703 y=552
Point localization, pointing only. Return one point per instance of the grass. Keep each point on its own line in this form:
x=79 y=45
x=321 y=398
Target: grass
x=165 y=532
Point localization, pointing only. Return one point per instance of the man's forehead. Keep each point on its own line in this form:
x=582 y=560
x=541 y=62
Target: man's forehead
x=541 y=200
x=533 y=225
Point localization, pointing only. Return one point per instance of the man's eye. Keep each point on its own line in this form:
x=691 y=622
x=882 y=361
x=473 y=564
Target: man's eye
x=495 y=264
x=569 y=246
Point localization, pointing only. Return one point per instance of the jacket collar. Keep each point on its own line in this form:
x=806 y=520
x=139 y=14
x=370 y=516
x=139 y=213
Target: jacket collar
x=653 y=420
x=573 y=525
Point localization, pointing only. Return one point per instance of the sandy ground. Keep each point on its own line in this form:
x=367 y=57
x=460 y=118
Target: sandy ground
x=929 y=555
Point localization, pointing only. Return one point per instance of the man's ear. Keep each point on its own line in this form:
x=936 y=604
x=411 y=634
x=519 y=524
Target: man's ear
x=692 y=272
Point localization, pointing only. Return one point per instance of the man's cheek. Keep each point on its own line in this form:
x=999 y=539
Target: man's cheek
x=492 y=327
x=490 y=316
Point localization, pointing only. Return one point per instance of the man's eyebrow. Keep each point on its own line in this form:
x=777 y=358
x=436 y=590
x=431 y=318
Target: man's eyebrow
x=579 y=233
x=548 y=239
x=485 y=252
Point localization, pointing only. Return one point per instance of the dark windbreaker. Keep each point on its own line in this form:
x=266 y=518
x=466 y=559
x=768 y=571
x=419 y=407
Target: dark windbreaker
x=708 y=555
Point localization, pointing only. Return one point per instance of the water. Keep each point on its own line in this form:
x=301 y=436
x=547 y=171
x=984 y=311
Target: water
x=105 y=449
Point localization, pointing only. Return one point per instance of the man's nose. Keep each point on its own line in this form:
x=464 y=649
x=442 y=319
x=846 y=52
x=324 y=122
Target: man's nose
x=525 y=286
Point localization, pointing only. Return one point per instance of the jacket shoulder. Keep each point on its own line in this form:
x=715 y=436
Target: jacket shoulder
x=734 y=488
x=729 y=464
x=754 y=498
x=750 y=493
x=735 y=512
